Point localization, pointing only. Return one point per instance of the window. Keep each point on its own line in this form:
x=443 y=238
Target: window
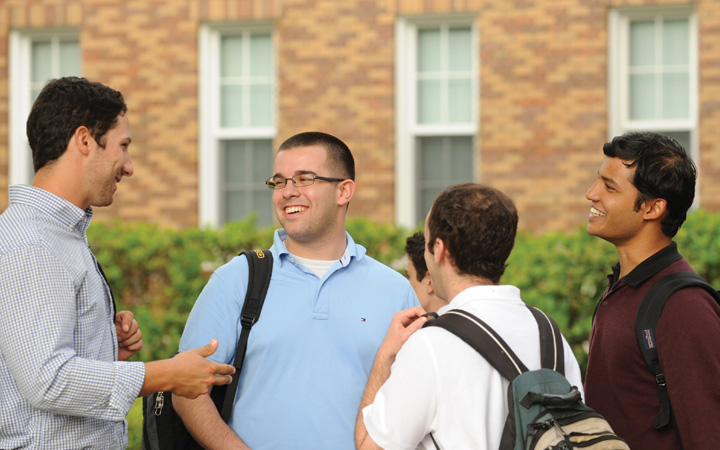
x=437 y=118
x=35 y=58
x=653 y=72
x=237 y=122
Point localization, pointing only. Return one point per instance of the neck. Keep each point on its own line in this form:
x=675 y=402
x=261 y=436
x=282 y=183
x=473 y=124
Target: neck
x=630 y=255
x=320 y=249
x=457 y=283
x=61 y=183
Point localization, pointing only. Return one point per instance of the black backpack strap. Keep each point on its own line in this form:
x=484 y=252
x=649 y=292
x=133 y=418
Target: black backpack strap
x=646 y=321
x=486 y=342
x=260 y=264
x=552 y=353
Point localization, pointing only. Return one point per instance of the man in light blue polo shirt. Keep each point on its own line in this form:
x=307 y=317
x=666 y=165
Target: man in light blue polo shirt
x=327 y=310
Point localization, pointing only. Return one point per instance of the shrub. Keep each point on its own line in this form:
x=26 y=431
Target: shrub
x=158 y=273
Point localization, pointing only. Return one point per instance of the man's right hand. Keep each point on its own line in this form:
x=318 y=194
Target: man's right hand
x=188 y=374
x=195 y=374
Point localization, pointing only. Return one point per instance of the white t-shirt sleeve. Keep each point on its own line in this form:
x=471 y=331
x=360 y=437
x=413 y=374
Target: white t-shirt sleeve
x=404 y=408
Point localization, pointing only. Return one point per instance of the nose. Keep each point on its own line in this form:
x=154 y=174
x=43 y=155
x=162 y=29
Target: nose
x=290 y=190
x=127 y=168
x=591 y=193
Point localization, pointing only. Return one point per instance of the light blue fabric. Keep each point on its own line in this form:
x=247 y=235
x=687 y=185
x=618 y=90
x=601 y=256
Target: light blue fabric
x=60 y=383
x=310 y=353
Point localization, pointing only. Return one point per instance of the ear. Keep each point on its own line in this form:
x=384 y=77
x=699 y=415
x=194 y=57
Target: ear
x=655 y=209
x=346 y=190
x=439 y=251
x=429 y=286
x=81 y=139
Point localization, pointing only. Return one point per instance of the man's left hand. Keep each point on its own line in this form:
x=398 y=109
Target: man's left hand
x=128 y=334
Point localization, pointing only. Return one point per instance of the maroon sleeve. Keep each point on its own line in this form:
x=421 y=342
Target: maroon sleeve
x=688 y=337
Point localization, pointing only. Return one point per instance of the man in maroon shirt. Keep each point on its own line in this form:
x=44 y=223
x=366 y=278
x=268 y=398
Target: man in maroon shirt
x=638 y=202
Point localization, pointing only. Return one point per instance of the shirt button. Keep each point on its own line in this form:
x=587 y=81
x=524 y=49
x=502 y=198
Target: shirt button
x=604 y=303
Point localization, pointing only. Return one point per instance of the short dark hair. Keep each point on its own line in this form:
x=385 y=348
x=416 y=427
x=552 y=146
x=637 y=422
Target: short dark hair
x=415 y=249
x=339 y=155
x=64 y=105
x=477 y=224
x=663 y=169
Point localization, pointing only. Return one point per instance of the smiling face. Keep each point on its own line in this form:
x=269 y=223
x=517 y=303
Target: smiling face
x=612 y=209
x=108 y=165
x=309 y=214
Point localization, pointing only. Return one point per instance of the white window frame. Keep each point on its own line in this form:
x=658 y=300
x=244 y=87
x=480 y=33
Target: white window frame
x=211 y=132
x=618 y=67
x=20 y=47
x=406 y=126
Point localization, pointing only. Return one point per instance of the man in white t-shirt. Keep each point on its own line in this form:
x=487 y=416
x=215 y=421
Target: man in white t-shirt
x=436 y=391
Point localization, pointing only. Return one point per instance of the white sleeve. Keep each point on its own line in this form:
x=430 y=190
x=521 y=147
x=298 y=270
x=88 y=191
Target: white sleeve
x=404 y=408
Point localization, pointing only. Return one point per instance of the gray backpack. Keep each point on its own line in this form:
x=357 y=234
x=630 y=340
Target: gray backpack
x=546 y=412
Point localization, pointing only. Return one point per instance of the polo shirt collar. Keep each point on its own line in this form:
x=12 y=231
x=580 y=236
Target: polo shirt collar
x=504 y=292
x=352 y=250
x=58 y=208
x=651 y=266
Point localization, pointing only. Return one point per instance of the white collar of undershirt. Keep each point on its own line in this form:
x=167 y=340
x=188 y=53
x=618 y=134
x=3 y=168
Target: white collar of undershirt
x=318 y=266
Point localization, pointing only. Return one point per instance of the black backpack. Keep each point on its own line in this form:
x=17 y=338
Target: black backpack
x=545 y=411
x=646 y=321
x=162 y=428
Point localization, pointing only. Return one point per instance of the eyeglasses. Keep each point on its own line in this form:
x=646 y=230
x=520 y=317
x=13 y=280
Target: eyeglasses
x=301 y=180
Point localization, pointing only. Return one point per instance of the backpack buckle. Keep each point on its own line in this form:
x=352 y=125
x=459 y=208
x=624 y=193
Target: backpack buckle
x=660 y=380
x=248 y=319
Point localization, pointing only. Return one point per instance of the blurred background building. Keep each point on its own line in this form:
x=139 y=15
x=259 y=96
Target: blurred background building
x=518 y=94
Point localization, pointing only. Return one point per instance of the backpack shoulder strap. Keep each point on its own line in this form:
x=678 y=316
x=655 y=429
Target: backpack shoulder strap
x=552 y=353
x=260 y=264
x=480 y=336
x=648 y=314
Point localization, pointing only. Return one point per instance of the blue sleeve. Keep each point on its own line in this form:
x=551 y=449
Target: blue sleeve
x=216 y=313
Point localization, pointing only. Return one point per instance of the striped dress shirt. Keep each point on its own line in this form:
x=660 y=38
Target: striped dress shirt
x=61 y=386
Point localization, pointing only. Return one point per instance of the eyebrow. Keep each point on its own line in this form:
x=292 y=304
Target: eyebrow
x=297 y=172
x=608 y=179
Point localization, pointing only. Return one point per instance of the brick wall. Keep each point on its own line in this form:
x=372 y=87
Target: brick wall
x=543 y=92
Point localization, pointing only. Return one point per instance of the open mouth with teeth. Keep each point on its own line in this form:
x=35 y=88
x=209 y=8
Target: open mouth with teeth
x=595 y=213
x=294 y=209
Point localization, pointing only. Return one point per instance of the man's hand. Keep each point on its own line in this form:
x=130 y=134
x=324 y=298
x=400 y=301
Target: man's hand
x=128 y=334
x=188 y=374
x=195 y=374
x=403 y=324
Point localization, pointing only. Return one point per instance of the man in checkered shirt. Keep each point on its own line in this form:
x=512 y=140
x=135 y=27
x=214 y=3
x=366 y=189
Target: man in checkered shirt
x=64 y=379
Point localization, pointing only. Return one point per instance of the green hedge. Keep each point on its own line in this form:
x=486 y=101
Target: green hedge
x=159 y=272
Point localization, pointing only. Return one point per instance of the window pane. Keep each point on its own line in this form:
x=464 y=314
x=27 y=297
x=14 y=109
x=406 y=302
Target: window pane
x=261 y=55
x=234 y=163
x=676 y=96
x=246 y=165
x=428 y=51
x=462 y=167
x=231 y=106
x=460 y=101
x=443 y=161
x=235 y=206
x=231 y=56
x=431 y=159
x=261 y=105
x=642 y=97
x=428 y=101
x=70 y=59
x=460 y=50
x=683 y=138
x=676 y=42
x=41 y=62
x=262 y=162
x=642 y=43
